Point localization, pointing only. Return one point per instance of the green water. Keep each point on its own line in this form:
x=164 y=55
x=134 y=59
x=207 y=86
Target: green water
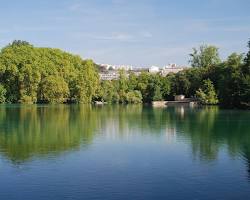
x=123 y=152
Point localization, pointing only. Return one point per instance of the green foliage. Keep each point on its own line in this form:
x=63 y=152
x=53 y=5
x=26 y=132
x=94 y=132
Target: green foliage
x=245 y=100
x=25 y=70
x=205 y=56
x=108 y=93
x=157 y=94
x=195 y=77
x=142 y=86
x=19 y=43
x=165 y=87
x=234 y=85
x=2 y=94
x=134 y=89
x=132 y=83
x=235 y=60
x=181 y=84
x=134 y=97
x=247 y=58
x=54 y=89
x=29 y=75
x=122 y=87
x=207 y=94
x=86 y=83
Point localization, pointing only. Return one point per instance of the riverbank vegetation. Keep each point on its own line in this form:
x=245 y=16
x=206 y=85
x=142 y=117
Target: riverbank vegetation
x=43 y=75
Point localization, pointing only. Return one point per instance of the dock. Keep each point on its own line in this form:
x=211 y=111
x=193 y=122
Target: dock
x=180 y=100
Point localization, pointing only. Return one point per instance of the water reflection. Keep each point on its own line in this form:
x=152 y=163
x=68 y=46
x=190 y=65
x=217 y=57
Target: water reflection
x=38 y=130
x=30 y=131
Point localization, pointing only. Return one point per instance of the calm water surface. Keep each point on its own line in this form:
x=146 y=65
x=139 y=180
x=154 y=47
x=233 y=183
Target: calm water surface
x=123 y=152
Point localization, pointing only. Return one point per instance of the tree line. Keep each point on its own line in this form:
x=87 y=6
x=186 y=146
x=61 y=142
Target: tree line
x=210 y=80
x=43 y=75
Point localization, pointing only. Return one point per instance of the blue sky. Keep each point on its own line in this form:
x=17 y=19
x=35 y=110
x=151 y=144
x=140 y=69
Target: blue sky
x=136 y=32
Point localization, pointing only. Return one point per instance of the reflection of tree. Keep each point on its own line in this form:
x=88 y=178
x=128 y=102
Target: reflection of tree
x=38 y=130
x=210 y=129
x=246 y=154
x=32 y=130
x=198 y=124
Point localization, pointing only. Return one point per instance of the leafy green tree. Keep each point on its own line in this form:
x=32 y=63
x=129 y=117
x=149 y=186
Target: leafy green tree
x=245 y=95
x=142 y=85
x=122 y=86
x=87 y=82
x=157 y=94
x=165 y=88
x=154 y=88
x=24 y=68
x=207 y=94
x=14 y=58
x=195 y=78
x=181 y=84
x=229 y=86
x=30 y=74
x=134 y=97
x=132 y=83
x=108 y=93
x=29 y=79
x=54 y=90
x=205 y=56
x=235 y=60
x=247 y=58
x=20 y=43
x=2 y=94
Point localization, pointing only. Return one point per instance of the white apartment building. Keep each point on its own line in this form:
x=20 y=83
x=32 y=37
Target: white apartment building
x=166 y=71
x=108 y=76
x=154 y=69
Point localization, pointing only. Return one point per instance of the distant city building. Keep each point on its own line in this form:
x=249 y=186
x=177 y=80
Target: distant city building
x=137 y=71
x=166 y=71
x=111 y=72
x=124 y=67
x=115 y=67
x=110 y=75
x=171 y=65
x=105 y=67
x=154 y=69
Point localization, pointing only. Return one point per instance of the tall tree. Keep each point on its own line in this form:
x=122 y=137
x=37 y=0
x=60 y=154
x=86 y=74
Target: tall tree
x=87 y=82
x=205 y=56
x=247 y=58
x=235 y=60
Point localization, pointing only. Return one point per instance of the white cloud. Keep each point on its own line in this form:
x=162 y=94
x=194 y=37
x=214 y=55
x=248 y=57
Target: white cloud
x=124 y=37
x=115 y=36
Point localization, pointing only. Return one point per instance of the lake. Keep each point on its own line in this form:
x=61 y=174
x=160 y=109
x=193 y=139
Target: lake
x=123 y=152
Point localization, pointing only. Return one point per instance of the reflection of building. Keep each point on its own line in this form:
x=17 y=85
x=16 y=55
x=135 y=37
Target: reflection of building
x=181 y=111
x=170 y=134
